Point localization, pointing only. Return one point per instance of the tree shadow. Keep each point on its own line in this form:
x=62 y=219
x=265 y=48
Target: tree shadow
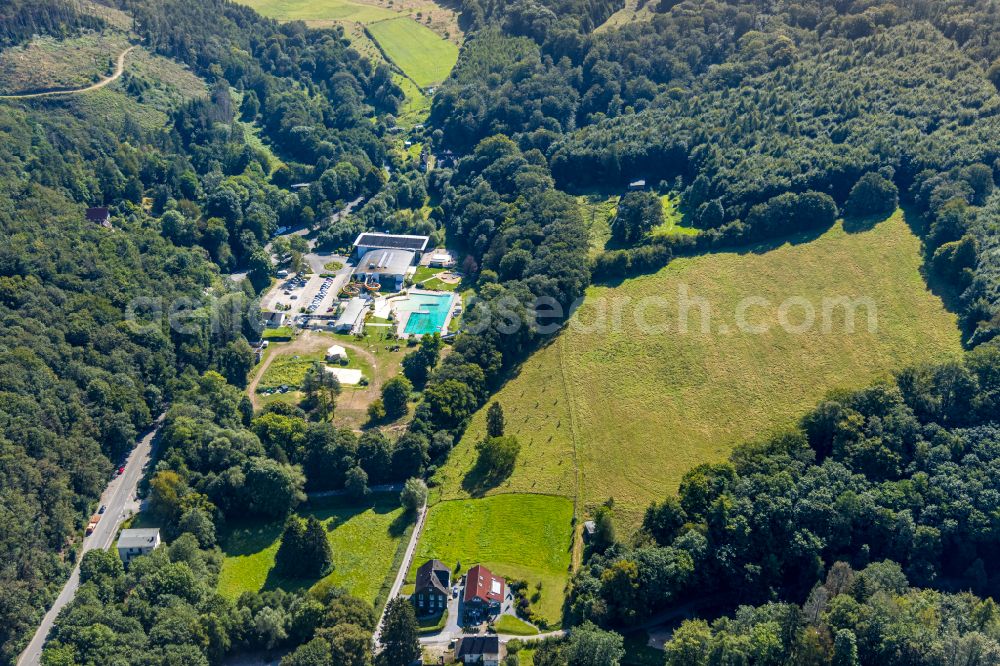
x=399 y=524
x=859 y=225
x=479 y=480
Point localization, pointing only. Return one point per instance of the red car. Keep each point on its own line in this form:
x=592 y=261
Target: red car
x=121 y=470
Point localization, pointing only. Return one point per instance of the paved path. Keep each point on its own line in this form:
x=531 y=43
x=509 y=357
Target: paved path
x=119 y=69
x=397 y=584
x=120 y=499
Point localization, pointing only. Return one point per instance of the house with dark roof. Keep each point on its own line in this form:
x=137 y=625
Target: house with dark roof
x=484 y=650
x=430 y=595
x=99 y=215
x=368 y=241
x=484 y=593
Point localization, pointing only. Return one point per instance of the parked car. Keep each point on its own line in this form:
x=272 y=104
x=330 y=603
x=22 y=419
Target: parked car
x=121 y=470
x=102 y=509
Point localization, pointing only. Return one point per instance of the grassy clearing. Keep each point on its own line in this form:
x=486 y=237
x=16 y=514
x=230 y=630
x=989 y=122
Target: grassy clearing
x=642 y=408
x=518 y=536
x=365 y=541
x=318 y=10
x=597 y=211
x=46 y=62
x=508 y=624
x=672 y=218
x=423 y=56
x=416 y=105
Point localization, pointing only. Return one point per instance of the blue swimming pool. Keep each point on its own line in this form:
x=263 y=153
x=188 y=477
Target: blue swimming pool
x=428 y=313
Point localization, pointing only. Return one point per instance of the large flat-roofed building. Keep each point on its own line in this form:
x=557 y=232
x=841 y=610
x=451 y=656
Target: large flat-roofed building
x=386 y=267
x=368 y=241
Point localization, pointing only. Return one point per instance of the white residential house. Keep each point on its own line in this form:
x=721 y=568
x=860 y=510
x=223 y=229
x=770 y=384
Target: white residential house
x=133 y=543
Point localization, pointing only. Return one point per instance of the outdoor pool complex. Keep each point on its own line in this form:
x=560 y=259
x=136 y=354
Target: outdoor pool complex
x=426 y=313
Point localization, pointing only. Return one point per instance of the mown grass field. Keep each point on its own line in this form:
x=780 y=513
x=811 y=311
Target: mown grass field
x=620 y=412
x=520 y=536
x=417 y=50
x=366 y=542
x=317 y=10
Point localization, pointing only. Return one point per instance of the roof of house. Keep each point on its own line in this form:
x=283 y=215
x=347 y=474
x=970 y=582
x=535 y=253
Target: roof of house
x=426 y=578
x=480 y=583
x=590 y=526
x=476 y=645
x=352 y=312
x=98 y=214
x=392 y=241
x=142 y=538
x=336 y=350
x=386 y=262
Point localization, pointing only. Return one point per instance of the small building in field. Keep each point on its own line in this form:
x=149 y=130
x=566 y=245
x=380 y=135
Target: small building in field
x=589 y=528
x=100 y=215
x=636 y=185
x=386 y=267
x=430 y=595
x=335 y=353
x=480 y=650
x=368 y=241
x=133 y=543
x=484 y=593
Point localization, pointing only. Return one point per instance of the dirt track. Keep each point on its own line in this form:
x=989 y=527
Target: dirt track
x=119 y=70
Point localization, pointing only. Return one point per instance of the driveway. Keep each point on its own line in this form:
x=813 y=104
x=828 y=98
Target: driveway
x=121 y=501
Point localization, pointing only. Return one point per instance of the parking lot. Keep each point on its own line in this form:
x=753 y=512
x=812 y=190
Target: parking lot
x=313 y=293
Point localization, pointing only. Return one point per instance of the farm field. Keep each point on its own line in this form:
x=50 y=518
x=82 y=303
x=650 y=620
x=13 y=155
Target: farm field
x=422 y=55
x=366 y=540
x=614 y=411
x=519 y=536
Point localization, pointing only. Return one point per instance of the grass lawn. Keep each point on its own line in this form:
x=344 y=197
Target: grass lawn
x=518 y=536
x=508 y=624
x=597 y=211
x=417 y=50
x=618 y=412
x=432 y=623
x=672 y=218
x=308 y=10
x=288 y=370
x=416 y=105
x=366 y=541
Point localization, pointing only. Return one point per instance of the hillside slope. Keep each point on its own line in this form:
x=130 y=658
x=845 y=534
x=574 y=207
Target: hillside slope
x=638 y=409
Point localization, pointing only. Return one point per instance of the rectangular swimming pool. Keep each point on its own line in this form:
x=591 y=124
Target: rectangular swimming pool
x=427 y=312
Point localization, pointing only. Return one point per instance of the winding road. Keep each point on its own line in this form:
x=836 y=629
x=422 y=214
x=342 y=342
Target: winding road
x=119 y=70
x=120 y=501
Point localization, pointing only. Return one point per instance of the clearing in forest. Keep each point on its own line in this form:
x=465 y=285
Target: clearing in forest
x=367 y=542
x=417 y=50
x=623 y=410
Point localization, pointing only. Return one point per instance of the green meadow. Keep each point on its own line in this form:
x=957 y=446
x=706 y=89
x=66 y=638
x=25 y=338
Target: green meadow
x=423 y=56
x=520 y=536
x=622 y=411
x=366 y=539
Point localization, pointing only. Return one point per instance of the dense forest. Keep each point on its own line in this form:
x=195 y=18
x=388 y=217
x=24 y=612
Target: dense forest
x=732 y=105
x=830 y=544
x=89 y=355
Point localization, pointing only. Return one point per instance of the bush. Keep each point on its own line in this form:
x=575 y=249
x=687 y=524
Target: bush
x=873 y=194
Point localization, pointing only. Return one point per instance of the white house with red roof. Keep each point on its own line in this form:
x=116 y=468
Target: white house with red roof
x=484 y=592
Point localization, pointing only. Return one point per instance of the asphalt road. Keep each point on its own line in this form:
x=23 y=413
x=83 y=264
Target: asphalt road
x=120 y=499
x=397 y=584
